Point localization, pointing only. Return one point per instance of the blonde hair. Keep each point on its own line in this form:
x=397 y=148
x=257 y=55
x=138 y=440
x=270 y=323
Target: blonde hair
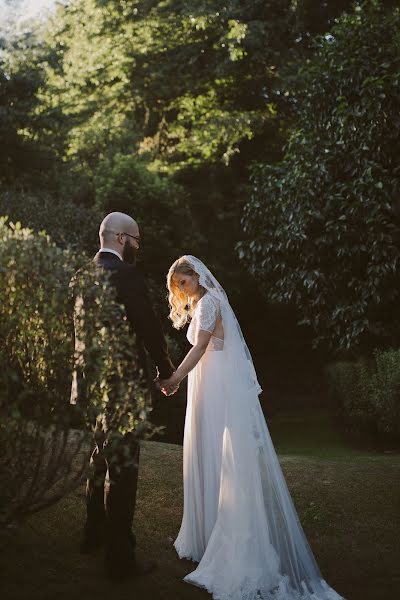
x=181 y=307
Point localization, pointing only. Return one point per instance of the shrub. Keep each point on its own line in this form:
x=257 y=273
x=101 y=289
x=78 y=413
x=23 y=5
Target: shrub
x=385 y=391
x=349 y=388
x=68 y=224
x=367 y=392
x=42 y=454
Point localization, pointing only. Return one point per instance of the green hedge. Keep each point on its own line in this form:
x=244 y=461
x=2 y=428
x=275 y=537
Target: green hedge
x=42 y=454
x=367 y=392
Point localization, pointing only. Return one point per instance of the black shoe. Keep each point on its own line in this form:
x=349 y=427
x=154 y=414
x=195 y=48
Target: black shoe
x=119 y=573
x=90 y=545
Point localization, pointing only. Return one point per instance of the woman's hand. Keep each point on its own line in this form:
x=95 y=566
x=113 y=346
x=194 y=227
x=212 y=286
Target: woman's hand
x=169 y=386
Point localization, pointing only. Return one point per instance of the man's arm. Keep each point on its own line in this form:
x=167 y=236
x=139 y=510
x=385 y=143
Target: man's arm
x=133 y=293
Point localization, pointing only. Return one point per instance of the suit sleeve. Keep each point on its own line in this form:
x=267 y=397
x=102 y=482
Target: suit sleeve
x=134 y=295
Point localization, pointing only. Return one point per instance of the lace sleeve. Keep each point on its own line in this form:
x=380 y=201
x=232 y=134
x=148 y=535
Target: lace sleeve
x=208 y=313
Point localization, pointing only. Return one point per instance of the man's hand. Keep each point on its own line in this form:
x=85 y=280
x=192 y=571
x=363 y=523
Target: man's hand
x=167 y=386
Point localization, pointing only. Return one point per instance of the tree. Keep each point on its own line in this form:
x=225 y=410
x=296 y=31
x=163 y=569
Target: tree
x=112 y=87
x=322 y=232
x=21 y=156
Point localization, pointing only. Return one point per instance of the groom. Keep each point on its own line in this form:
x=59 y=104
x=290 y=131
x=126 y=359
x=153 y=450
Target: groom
x=110 y=510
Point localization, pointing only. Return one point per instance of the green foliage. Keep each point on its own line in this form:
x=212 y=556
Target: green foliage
x=41 y=456
x=321 y=229
x=125 y=184
x=386 y=391
x=190 y=88
x=20 y=78
x=112 y=82
x=68 y=224
x=367 y=392
x=86 y=99
x=349 y=386
x=104 y=78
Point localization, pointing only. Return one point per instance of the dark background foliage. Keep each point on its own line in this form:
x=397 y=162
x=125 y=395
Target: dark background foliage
x=261 y=136
x=331 y=202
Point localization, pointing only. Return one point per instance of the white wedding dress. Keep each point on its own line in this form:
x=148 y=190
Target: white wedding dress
x=239 y=522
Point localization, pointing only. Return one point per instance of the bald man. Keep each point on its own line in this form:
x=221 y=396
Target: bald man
x=110 y=515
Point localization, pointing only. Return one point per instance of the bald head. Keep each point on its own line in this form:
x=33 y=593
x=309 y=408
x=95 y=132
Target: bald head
x=119 y=231
x=114 y=223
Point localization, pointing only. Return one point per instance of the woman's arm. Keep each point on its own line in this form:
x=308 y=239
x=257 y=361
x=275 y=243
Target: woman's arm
x=189 y=362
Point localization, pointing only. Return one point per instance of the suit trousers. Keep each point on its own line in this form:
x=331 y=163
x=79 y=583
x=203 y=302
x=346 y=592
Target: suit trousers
x=111 y=494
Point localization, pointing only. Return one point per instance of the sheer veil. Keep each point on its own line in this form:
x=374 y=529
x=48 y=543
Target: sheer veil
x=257 y=550
x=235 y=343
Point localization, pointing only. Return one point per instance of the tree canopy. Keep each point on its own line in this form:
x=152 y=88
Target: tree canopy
x=184 y=112
x=322 y=224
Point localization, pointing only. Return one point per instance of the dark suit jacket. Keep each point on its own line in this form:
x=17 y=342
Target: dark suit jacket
x=132 y=293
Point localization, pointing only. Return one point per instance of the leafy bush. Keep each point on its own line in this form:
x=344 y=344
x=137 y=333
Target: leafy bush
x=367 y=392
x=385 y=391
x=68 y=224
x=321 y=229
x=349 y=385
x=42 y=455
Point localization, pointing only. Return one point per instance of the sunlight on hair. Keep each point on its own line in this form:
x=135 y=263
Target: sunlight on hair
x=181 y=309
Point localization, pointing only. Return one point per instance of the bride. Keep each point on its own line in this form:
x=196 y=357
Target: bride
x=239 y=522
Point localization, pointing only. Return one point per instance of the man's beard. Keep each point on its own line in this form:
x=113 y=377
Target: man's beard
x=129 y=253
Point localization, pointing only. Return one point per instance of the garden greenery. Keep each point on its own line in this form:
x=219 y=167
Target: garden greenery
x=322 y=227
x=367 y=393
x=43 y=439
x=70 y=225
x=174 y=112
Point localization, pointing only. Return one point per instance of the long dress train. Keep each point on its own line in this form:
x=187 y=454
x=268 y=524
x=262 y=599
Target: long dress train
x=239 y=522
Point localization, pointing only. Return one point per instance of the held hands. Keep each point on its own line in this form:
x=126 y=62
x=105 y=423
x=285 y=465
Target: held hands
x=168 y=386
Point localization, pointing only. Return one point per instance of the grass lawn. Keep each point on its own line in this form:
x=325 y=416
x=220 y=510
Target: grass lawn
x=313 y=433
x=348 y=501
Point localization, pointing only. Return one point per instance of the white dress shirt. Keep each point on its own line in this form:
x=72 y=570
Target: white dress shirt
x=112 y=252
